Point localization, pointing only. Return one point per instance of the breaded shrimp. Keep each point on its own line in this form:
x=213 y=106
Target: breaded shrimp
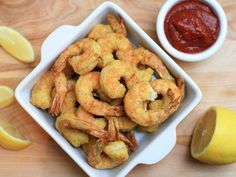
x=102 y=96
x=117 y=24
x=117 y=151
x=74 y=136
x=170 y=92
x=84 y=115
x=125 y=123
x=144 y=75
x=149 y=129
x=60 y=94
x=111 y=75
x=85 y=86
x=83 y=121
x=112 y=43
x=41 y=92
x=106 y=156
x=87 y=58
x=134 y=101
x=150 y=59
x=145 y=57
x=70 y=99
x=137 y=95
x=95 y=128
x=100 y=31
x=85 y=55
x=163 y=103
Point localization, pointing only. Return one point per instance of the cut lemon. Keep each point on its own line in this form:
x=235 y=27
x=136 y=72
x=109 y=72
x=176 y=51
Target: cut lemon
x=16 y=44
x=6 y=96
x=214 y=137
x=11 y=139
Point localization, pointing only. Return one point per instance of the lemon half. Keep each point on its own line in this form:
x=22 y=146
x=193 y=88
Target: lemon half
x=16 y=44
x=214 y=137
x=11 y=139
x=6 y=96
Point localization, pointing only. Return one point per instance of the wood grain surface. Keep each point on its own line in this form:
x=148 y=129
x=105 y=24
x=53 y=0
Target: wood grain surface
x=35 y=19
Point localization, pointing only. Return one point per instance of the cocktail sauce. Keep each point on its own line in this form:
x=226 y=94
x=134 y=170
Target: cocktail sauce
x=191 y=26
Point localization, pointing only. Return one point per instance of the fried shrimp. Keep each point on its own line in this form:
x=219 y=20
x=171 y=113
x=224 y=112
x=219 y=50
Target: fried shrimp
x=164 y=102
x=70 y=99
x=83 y=121
x=100 y=31
x=144 y=75
x=107 y=156
x=125 y=123
x=60 y=94
x=149 y=129
x=87 y=58
x=111 y=75
x=117 y=25
x=95 y=127
x=41 y=92
x=136 y=97
x=150 y=59
x=84 y=115
x=112 y=43
x=134 y=102
x=83 y=55
x=117 y=150
x=170 y=92
x=145 y=57
x=74 y=136
x=102 y=96
x=84 y=88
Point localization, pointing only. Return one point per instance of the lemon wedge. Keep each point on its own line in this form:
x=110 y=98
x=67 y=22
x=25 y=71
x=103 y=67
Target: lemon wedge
x=6 y=96
x=11 y=139
x=16 y=44
x=214 y=137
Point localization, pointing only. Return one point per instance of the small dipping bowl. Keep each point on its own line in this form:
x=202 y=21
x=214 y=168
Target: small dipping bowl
x=191 y=57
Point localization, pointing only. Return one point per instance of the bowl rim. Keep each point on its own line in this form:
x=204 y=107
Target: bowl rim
x=216 y=7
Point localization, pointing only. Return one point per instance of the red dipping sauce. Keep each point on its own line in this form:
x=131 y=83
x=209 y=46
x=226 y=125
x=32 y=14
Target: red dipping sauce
x=191 y=26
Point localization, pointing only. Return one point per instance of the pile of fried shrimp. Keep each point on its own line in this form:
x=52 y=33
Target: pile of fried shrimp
x=101 y=88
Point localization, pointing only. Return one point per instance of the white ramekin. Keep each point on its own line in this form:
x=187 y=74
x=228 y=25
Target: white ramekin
x=186 y=56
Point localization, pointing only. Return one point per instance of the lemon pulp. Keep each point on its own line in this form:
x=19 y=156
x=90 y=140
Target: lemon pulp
x=11 y=139
x=214 y=136
x=203 y=131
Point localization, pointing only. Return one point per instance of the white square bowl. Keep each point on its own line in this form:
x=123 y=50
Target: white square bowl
x=152 y=147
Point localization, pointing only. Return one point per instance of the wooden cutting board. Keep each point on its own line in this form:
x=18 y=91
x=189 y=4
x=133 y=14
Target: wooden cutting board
x=36 y=19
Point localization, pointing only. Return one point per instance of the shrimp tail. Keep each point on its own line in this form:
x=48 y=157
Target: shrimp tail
x=56 y=106
x=133 y=140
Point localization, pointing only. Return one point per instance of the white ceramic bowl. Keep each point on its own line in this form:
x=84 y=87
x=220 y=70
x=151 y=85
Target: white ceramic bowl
x=186 y=56
x=152 y=147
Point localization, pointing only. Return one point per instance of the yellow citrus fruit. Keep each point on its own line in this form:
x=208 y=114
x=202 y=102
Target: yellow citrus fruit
x=16 y=44
x=11 y=139
x=214 y=137
x=6 y=96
